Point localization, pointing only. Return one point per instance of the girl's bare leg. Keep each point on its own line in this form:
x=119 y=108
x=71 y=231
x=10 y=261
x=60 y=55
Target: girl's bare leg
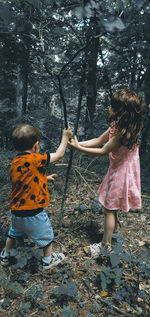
x=110 y=223
x=116 y=222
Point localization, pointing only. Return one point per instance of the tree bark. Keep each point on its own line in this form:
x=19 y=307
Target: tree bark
x=147 y=111
x=92 y=74
x=19 y=92
x=25 y=89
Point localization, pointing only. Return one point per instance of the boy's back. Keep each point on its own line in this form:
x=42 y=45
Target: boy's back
x=30 y=193
x=29 y=182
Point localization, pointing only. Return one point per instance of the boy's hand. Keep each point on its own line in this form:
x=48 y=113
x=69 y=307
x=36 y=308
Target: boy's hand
x=73 y=143
x=52 y=177
x=67 y=133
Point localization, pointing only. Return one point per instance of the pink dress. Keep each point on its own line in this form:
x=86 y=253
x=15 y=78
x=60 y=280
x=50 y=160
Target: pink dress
x=121 y=188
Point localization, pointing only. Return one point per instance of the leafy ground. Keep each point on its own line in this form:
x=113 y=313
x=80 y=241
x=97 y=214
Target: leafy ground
x=113 y=285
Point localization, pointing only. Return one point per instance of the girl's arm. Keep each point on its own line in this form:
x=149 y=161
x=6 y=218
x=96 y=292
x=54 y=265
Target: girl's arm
x=96 y=141
x=111 y=145
x=52 y=177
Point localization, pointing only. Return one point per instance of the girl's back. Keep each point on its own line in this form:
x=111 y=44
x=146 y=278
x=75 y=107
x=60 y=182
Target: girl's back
x=121 y=188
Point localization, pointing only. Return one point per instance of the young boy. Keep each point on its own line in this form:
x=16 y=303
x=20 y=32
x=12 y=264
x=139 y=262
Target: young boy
x=30 y=194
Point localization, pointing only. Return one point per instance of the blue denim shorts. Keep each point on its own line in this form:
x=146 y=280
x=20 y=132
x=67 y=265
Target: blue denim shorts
x=37 y=227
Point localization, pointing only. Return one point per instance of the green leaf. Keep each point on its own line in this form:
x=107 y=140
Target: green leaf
x=25 y=306
x=68 y=312
x=16 y=288
x=103 y=281
x=70 y=290
x=126 y=257
x=118 y=248
x=115 y=259
x=118 y=274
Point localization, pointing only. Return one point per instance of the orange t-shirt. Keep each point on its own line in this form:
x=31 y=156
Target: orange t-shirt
x=29 y=181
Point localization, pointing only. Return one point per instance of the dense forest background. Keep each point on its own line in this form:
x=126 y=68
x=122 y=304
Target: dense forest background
x=60 y=63
x=73 y=53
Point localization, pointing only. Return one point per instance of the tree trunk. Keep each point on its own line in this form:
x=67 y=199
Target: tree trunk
x=146 y=90
x=25 y=88
x=92 y=75
x=19 y=92
x=25 y=72
x=143 y=146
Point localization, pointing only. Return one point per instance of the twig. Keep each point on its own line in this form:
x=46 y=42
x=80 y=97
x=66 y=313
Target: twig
x=105 y=302
x=76 y=167
x=66 y=183
x=34 y=313
x=74 y=56
x=63 y=102
x=91 y=163
x=85 y=181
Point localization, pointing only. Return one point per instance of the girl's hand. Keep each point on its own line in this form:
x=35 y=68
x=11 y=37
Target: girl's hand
x=52 y=177
x=73 y=143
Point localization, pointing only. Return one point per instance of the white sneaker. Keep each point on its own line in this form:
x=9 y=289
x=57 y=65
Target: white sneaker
x=55 y=260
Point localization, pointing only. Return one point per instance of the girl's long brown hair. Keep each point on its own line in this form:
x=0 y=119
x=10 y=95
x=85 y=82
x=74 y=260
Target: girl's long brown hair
x=127 y=113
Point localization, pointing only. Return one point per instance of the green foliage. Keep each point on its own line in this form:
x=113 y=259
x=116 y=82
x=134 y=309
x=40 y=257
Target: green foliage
x=126 y=293
x=142 y=260
x=66 y=292
x=25 y=307
x=34 y=293
x=68 y=312
x=89 y=263
x=119 y=254
x=14 y=287
x=110 y=277
x=115 y=259
x=3 y=278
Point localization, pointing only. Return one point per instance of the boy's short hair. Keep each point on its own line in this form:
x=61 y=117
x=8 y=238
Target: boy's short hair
x=24 y=136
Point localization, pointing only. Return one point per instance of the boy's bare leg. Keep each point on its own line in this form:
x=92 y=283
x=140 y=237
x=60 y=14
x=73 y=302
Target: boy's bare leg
x=10 y=243
x=47 y=250
x=109 y=225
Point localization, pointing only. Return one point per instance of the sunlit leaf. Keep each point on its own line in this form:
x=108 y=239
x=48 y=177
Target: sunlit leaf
x=103 y=293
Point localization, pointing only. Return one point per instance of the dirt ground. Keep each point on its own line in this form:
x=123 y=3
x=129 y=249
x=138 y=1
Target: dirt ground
x=77 y=287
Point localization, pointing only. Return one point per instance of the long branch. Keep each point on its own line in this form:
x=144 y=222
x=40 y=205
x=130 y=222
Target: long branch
x=76 y=127
x=74 y=56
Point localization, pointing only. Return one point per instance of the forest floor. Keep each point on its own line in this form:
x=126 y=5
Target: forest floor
x=112 y=285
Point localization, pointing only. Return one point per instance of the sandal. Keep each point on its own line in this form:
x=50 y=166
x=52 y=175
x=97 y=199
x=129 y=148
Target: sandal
x=94 y=250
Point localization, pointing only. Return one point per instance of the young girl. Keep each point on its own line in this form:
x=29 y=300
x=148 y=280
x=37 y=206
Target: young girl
x=120 y=189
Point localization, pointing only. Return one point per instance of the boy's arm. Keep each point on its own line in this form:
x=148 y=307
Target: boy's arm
x=111 y=145
x=96 y=141
x=67 y=134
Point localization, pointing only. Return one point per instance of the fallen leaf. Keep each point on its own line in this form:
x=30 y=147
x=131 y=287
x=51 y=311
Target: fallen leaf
x=86 y=249
x=141 y=243
x=103 y=293
x=80 y=252
x=140 y=300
